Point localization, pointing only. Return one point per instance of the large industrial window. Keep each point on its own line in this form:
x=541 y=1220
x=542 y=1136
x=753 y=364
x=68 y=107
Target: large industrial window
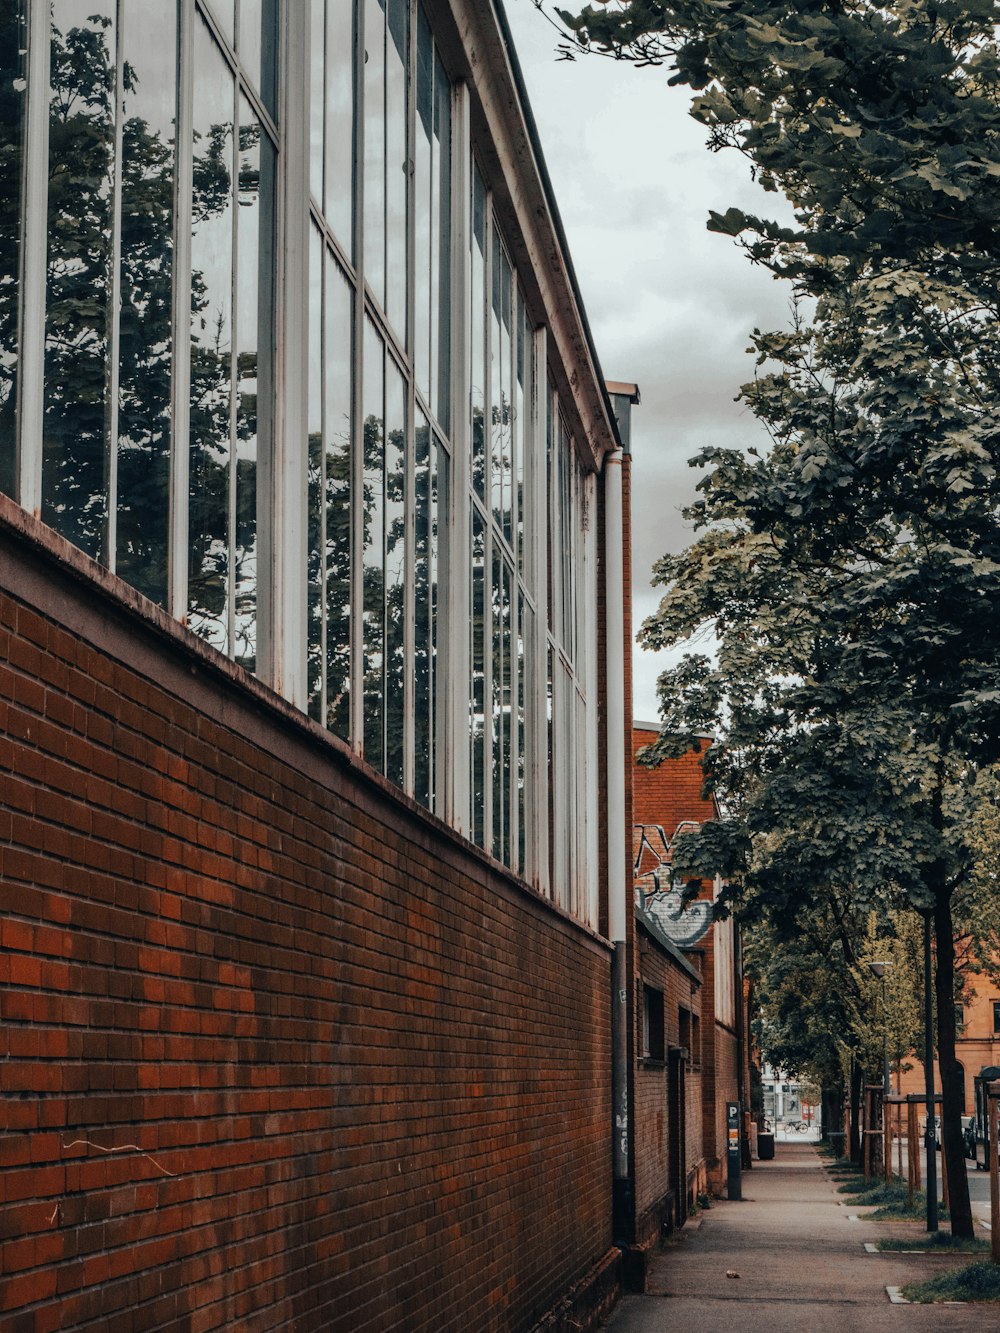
x=141 y=241
x=273 y=364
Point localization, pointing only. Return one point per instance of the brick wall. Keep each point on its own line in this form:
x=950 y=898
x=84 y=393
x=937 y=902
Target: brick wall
x=652 y=1118
x=282 y=1051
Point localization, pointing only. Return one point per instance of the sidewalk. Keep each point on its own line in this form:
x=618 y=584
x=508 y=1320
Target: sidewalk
x=802 y=1266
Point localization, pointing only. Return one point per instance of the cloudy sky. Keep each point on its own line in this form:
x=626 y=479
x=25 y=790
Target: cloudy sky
x=670 y=304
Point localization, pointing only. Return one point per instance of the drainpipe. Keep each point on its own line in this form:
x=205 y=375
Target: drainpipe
x=618 y=895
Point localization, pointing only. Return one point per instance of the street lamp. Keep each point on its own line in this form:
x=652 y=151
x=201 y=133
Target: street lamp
x=878 y=969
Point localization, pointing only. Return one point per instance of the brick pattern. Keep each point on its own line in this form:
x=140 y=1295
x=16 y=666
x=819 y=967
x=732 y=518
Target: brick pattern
x=669 y=795
x=652 y=1174
x=282 y=1051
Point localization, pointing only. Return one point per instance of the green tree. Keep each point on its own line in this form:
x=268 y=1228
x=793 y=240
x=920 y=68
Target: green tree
x=851 y=576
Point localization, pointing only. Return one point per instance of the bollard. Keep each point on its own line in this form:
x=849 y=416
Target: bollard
x=993 y=1092
x=913 y=1147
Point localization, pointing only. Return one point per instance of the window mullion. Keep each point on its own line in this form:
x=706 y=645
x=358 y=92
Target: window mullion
x=357 y=723
x=409 y=491
x=31 y=345
x=114 y=306
x=537 y=796
x=177 y=546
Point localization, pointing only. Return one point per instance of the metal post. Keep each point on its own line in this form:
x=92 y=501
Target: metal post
x=912 y=1146
x=932 y=1203
x=734 y=1155
x=885 y=1046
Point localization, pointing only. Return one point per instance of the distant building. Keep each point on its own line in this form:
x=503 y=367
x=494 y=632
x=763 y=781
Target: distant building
x=977 y=1042
x=668 y=799
x=307 y=476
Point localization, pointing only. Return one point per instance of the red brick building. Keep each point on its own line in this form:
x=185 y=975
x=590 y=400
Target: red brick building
x=304 y=649
x=711 y=1024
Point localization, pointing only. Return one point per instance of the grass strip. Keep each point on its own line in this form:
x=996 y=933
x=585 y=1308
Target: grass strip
x=977 y=1282
x=935 y=1242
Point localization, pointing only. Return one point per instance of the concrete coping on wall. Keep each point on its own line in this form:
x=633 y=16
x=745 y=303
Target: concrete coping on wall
x=660 y=937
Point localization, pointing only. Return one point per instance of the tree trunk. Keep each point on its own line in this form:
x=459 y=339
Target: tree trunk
x=854 y=1135
x=832 y=1114
x=952 y=1087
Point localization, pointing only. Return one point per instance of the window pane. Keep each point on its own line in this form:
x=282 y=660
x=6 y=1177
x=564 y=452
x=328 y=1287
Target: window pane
x=501 y=683
x=252 y=326
x=337 y=434
x=79 y=272
x=317 y=95
x=397 y=164
x=477 y=327
x=395 y=569
x=211 y=343
x=423 y=190
x=525 y=632
x=504 y=405
x=316 y=629
x=520 y=423
x=145 y=330
x=496 y=383
x=373 y=547
x=13 y=38
x=225 y=13
x=424 y=503
x=258 y=48
x=477 y=727
x=375 y=134
x=338 y=191
x=441 y=250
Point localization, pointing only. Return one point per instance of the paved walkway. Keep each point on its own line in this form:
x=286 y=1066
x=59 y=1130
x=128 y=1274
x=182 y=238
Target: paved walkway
x=801 y=1262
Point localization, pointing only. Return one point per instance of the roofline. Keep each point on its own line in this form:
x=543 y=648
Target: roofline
x=657 y=727
x=550 y=200
x=653 y=929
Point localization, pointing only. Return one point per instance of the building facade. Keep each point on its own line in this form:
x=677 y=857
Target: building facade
x=668 y=799
x=303 y=643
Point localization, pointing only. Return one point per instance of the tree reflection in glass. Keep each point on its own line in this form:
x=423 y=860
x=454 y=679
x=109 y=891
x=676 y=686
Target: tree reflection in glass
x=13 y=38
x=373 y=547
x=212 y=403
x=79 y=271
x=477 y=722
x=146 y=278
x=395 y=570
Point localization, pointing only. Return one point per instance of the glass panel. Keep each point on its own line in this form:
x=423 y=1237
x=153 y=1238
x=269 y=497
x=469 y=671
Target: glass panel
x=496 y=382
x=79 y=271
x=395 y=570
x=397 y=163
x=211 y=343
x=253 y=257
x=501 y=706
x=225 y=13
x=338 y=199
x=317 y=113
x=13 y=61
x=375 y=147
x=145 y=329
x=423 y=190
x=258 y=47
x=424 y=502
x=477 y=728
x=315 y=631
x=373 y=547
x=551 y=768
x=520 y=423
x=477 y=327
x=506 y=461
x=441 y=249
x=525 y=621
x=337 y=361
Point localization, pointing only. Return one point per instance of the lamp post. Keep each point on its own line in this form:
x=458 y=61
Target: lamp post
x=878 y=969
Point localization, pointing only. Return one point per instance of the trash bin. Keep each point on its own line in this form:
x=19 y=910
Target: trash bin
x=765 y=1146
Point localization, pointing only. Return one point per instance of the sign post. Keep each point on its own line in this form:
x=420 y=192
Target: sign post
x=733 y=1154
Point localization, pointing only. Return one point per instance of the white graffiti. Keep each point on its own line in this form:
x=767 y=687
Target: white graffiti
x=659 y=894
